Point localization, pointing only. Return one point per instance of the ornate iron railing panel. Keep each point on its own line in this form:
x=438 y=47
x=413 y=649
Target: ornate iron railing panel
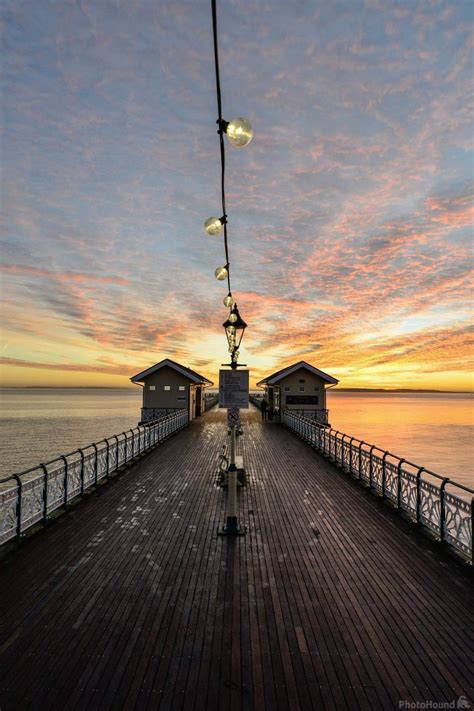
x=420 y=493
x=458 y=522
x=55 y=487
x=32 y=492
x=377 y=472
x=29 y=497
x=74 y=474
x=9 y=499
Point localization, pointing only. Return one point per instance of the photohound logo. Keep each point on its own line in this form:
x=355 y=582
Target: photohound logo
x=461 y=703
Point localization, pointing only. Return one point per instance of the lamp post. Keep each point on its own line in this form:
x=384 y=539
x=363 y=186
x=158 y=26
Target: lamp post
x=234 y=330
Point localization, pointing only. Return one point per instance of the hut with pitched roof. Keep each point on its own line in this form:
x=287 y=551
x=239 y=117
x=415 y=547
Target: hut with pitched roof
x=300 y=387
x=169 y=386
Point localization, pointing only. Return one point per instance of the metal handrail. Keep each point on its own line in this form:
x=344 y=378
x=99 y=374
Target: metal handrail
x=27 y=498
x=400 y=481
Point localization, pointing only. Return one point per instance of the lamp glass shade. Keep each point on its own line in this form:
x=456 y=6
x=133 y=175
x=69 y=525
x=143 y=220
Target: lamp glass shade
x=213 y=225
x=221 y=273
x=239 y=132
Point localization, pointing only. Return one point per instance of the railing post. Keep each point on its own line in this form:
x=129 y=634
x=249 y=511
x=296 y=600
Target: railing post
x=442 y=512
x=360 y=459
x=107 y=469
x=82 y=471
x=399 y=482
x=384 y=474
x=343 y=449
x=116 y=453
x=371 y=466
x=336 y=432
x=19 y=504
x=65 y=479
x=45 y=492
x=350 y=454
x=472 y=530
x=133 y=444
x=125 y=448
x=418 y=494
x=96 y=463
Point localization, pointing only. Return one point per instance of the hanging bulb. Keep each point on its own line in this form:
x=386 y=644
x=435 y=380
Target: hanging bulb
x=213 y=225
x=221 y=273
x=228 y=301
x=236 y=355
x=233 y=318
x=239 y=132
x=231 y=330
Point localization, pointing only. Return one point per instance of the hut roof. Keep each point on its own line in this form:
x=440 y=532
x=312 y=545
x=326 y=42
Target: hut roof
x=167 y=362
x=280 y=374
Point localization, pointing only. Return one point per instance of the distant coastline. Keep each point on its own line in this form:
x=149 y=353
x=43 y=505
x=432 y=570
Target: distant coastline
x=401 y=390
x=339 y=390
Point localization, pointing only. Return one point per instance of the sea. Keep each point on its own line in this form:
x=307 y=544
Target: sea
x=433 y=430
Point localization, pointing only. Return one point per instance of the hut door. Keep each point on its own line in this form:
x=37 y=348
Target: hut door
x=198 y=401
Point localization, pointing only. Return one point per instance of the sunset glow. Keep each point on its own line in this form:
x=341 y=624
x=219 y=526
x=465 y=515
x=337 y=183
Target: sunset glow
x=351 y=211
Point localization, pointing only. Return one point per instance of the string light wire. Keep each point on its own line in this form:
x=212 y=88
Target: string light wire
x=220 y=122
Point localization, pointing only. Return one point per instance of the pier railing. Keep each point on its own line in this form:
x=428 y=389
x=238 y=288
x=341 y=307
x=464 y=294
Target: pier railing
x=28 y=498
x=436 y=503
x=210 y=402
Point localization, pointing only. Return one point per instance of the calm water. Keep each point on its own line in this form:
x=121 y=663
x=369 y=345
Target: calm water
x=434 y=431
x=39 y=424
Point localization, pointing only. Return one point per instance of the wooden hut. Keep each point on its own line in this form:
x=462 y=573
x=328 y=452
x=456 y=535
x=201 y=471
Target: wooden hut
x=169 y=386
x=300 y=387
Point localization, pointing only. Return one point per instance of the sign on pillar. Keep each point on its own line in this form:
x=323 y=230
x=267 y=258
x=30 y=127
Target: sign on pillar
x=233 y=417
x=234 y=389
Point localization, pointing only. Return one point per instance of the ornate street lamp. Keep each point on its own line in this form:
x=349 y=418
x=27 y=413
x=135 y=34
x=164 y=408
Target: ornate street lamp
x=234 y=330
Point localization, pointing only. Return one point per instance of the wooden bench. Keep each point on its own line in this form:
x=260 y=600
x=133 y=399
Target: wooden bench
x=241 y=475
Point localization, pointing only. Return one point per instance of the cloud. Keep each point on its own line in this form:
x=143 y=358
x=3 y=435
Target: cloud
x=349 y=213
x=20 y=270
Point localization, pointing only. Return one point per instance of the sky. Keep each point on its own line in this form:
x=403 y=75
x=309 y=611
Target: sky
x=350 y=213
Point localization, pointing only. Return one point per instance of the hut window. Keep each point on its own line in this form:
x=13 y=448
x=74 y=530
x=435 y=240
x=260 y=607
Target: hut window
x=180 y=398
x=287 y=388
x=182 y=387
x=316 y=389
x=152 y=387
x=301 y=381
x=166 y=387
x=301 y=388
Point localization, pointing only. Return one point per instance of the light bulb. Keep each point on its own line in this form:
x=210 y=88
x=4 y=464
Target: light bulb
x=228 y=300
x=221 y=273
x=231 y=349
x=239 y=132
x=213 y=225
x=231 y=330
x=232 y=318
x=236 y=355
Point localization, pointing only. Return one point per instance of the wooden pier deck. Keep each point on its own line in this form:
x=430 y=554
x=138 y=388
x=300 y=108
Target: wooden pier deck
x=329 y=602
